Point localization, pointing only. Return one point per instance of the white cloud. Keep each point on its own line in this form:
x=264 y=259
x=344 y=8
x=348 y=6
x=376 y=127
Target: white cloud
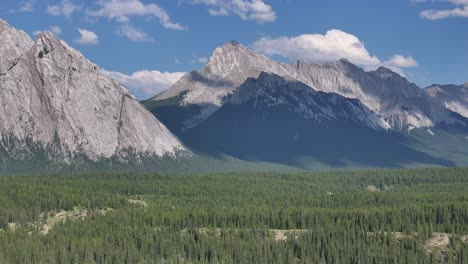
x=65 y=8
x=460 y=9
x=27 y=6
x=54 y=29
x=87 y=37
x=134 y=34
x=146 y=83
x=256 y=10
x=122 y=10
x=332 y=46
x=401 y=61
x=397 y=63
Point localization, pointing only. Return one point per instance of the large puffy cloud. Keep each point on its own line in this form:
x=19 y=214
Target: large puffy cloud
x=146 y=83
x=87 y=37
x=460 y=9
x=332 y=46
x=122 y=10
x=256 y=10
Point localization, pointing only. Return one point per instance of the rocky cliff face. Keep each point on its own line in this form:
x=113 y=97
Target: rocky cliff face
x=13 y=43
x=454 y=97
x=51 y=95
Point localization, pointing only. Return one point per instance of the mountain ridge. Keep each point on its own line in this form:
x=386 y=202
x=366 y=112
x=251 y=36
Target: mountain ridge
x=243 y=104
x=53 y=95
x=399 y=102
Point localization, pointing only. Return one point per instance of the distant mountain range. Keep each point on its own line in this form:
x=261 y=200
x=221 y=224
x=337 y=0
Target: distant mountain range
x=307 y=115
x=59 y=111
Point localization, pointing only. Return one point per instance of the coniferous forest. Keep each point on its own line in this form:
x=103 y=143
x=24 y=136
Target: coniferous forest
x=374 y=216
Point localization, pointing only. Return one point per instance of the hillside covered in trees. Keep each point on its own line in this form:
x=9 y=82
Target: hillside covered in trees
x=375 y=216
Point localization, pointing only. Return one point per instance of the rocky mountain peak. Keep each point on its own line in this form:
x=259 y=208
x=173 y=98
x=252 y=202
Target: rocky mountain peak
x=54 y=96
x=344 y=65
x=232 y=55
x=48 y=50
x=345 y=61
x=386 y=73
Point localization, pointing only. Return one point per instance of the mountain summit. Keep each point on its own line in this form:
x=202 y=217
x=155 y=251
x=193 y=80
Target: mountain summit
x=246 y=105
x=398 y=102
x=57 y=102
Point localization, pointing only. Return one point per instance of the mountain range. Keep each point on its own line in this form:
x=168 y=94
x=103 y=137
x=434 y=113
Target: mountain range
x=307 y=115
x=58 y=110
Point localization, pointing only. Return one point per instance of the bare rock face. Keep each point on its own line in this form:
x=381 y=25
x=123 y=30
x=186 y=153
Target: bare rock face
x=53 y=95
x=13 y=43
x=454 y=97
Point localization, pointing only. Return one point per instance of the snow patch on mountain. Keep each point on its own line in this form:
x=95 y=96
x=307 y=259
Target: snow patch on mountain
x=430 y=132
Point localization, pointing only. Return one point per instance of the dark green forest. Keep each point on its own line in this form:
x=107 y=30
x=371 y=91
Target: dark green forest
x=373 y=216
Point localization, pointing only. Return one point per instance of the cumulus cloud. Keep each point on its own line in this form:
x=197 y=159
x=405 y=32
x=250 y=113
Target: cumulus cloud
x=122 y=10
x=64 y=8
x=402 y=61
x=146 y=83
x=134 y=34
x=460 y=9
x=332 y=46
x=256 y=10
x=54 y=29
x=87 y=37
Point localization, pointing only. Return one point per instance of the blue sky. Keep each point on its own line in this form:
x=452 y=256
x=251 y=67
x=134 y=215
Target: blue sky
x=148 y=44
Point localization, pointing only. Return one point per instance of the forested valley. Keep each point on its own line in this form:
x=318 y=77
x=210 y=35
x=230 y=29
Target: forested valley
x=372 y=216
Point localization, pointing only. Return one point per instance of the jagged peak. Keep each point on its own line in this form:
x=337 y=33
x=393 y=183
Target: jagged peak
x=47 y=44
x=386 y=73
x=383 y=69
x=346 y=64
x=232 y=43
x=345 y=61
x=49 y=39
x=230 y=47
